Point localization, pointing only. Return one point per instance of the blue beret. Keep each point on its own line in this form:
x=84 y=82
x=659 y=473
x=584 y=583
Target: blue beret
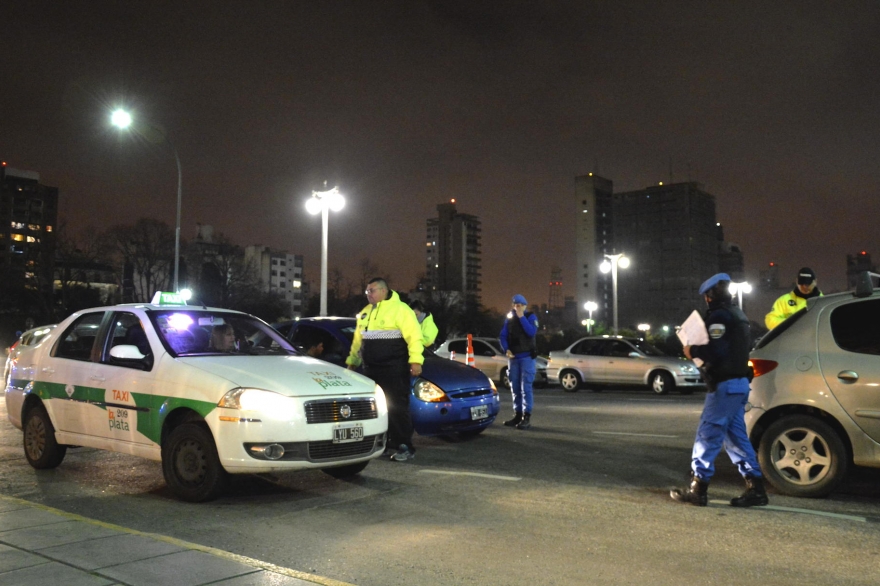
x=519 y=299
x=712 y=281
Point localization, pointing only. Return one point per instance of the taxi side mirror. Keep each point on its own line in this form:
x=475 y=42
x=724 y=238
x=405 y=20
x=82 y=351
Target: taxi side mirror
x=126 y=352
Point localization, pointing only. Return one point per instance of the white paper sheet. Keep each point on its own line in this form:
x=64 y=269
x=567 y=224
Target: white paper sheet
x=693 y=333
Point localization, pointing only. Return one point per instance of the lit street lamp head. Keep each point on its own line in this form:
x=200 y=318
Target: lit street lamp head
x=120 y=118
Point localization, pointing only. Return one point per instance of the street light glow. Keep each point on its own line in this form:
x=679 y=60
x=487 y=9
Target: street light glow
x=322 y=202
x=120 y=118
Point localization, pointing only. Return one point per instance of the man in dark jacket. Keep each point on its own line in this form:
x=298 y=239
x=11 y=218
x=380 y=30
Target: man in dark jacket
x=518 y=342
x=725 y=366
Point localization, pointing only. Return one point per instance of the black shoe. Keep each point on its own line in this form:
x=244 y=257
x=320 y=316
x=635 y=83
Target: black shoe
x=754 y=495
x=403 y=454
x=517 y=417
x=525 y=423
x=694 y=494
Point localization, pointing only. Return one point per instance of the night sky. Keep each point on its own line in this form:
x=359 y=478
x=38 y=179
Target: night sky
x=774 y=107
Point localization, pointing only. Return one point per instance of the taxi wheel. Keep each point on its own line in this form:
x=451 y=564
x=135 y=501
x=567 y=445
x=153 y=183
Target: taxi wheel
x=40 y=447
x=190 y=464
x=346 y=471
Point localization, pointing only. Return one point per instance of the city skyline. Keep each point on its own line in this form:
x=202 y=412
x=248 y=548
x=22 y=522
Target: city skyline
x=406 y=105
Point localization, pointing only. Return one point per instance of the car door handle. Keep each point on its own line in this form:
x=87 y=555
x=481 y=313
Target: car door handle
x=47 y=370
x=848 y=376
x=98 y=378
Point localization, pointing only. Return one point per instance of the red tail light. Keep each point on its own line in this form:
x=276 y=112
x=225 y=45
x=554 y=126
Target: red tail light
x=761 y=366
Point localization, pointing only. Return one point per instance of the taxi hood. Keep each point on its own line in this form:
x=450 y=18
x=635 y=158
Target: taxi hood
x=294 y=376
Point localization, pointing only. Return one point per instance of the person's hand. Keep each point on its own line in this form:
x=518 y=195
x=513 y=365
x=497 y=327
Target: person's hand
x=687 y=352
x=519 y=311
x=351 y=367
x=415 y=369
x=509 y=354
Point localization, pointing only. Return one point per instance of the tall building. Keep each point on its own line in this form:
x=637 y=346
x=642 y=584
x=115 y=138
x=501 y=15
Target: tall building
x=28 y=218
x=279 y=272
x=594 y=238
x=453 y=253
x=556 y=299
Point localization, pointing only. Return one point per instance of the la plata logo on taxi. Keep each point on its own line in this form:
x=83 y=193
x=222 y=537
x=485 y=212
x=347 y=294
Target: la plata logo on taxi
x=119 y=417
x=329 y=379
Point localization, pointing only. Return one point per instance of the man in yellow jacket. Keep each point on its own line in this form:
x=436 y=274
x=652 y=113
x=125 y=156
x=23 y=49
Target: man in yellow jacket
x=388 y=343
x=429 y=328
x=794 y=300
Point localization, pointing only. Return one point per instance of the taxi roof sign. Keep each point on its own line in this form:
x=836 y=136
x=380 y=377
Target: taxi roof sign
x=168 y=298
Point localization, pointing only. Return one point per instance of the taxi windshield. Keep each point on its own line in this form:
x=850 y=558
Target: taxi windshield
x=186 y=332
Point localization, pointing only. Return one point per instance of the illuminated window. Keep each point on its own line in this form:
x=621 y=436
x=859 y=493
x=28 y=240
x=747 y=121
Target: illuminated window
x=32 y=239
x=18 y=237
x=34 y=227
x=48 y=228
x=28 y=275
x=17 y=225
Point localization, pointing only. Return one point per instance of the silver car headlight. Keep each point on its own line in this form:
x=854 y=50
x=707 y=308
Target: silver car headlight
x=260 y=401
x=428 y=391
x=689 y=369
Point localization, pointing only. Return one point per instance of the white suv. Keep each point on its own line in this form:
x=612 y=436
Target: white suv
x=814 y=407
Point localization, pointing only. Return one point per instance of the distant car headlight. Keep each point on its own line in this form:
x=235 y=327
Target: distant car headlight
x=259 y=400
x=428 y=391
x=689 y=369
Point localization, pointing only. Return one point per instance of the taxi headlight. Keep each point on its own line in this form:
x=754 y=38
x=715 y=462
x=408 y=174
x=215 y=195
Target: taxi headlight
x=428 y=391
x=259 y=400
x=381 y=402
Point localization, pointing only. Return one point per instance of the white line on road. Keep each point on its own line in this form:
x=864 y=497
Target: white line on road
x=802 y=511
x=477 y=474
x=637 y=434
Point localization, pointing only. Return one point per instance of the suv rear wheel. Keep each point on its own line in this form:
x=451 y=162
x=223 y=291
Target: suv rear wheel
x=802 y=456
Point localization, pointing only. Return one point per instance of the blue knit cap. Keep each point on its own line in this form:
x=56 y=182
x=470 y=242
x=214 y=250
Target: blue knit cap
x=712 y=281
x=519 y=299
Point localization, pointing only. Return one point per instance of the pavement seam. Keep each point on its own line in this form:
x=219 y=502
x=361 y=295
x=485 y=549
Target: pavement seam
x=186 y=545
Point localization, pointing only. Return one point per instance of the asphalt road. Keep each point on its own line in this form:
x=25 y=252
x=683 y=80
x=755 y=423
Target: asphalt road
x=581 y=498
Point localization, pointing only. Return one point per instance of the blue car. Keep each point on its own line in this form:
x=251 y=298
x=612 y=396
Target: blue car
x=448 y=397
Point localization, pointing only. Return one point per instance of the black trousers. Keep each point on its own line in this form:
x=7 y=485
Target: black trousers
x=395 y=381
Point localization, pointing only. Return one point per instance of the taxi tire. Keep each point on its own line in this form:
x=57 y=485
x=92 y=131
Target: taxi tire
x=342 y=472
x=191 y=465
x=40 y=448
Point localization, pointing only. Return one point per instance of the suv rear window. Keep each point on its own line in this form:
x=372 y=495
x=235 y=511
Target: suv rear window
x=854 y=327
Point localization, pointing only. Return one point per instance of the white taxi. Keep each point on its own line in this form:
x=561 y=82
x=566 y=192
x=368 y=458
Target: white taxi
x=207 y=392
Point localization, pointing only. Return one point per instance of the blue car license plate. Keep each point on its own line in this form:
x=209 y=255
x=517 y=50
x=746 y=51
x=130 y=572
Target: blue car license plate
x=350 y=433
x=479 y=412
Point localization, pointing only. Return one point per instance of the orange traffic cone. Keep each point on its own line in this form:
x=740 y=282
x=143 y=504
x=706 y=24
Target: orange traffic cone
x=470 y=351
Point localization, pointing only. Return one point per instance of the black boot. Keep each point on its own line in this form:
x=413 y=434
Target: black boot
x=524 y=424
x=694 y=494
x=517 y=417
x=754 y=496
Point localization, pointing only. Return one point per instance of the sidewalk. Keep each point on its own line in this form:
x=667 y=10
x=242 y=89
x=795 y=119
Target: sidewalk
x=40 y=545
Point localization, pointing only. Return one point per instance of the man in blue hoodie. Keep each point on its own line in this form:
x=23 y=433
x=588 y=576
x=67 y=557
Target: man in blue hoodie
x=518 y=341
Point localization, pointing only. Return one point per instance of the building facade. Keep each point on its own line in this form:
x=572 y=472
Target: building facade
x=453 y=255
x=28 y=220
x=594 y=239
x=279 y=272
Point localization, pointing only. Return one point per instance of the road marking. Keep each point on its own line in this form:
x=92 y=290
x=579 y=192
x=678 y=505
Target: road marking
x=636 y=434
x=255 y=563
x=477 y=474
x=802 y=511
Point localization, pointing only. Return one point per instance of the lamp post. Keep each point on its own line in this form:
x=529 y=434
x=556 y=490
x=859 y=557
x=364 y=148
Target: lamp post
x=122 y=119
x=739 y=289
x=322 y=202
x=590 y=306
x=646 y=328
x=611 y=263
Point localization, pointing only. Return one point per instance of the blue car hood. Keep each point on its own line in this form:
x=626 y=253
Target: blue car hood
x=453 y=376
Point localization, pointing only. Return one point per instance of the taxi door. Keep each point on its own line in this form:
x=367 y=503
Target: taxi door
x=849 y=357
x=127 y=383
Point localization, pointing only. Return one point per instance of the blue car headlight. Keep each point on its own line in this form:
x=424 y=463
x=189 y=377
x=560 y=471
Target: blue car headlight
x=427 y=391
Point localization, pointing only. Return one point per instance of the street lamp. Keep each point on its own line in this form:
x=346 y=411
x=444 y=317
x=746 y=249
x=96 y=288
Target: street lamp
x=611 y=262
x=644 y=328
x=590 y=306
x=122 y=119
x=322 y=202
x=739 y=289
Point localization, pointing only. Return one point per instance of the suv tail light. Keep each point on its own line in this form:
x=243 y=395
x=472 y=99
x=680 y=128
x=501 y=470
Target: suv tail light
x=761 y=366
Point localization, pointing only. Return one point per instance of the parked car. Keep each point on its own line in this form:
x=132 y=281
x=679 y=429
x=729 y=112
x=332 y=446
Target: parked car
x=29 y=338
x=448 y=397
x=489 y=358
x=814 y=407
x=205 y=391
x=604 y=360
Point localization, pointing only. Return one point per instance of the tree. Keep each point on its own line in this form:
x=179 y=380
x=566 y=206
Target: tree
x=145 y=250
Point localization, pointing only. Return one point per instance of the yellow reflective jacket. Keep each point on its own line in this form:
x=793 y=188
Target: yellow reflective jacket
x=429 y=330
x=387 y=335
x=784 y=307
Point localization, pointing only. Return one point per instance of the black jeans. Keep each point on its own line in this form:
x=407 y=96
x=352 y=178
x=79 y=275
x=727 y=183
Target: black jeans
x=395 y=381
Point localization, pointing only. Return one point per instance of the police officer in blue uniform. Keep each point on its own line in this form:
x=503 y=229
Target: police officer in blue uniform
x=727 y=374
x=518 y=342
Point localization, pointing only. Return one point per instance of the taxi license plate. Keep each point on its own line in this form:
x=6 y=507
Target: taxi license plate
x=479 y=412
x=351 y=433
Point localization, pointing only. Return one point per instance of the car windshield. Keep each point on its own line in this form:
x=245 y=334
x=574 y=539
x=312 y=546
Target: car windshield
x=187 y=332
x=646 y=348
